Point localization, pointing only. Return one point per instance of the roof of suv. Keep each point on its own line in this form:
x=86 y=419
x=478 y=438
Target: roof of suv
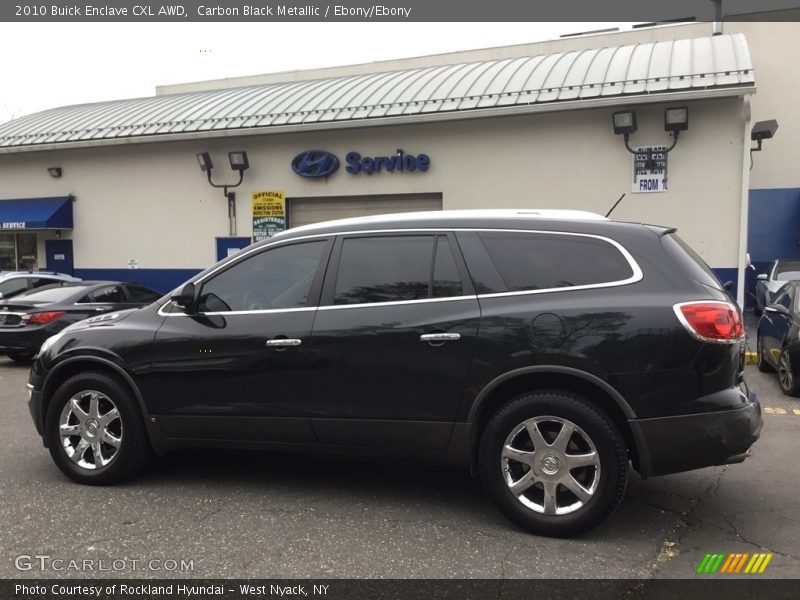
x=448 y=218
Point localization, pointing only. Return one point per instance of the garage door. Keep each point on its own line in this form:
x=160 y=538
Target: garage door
x=304 y=211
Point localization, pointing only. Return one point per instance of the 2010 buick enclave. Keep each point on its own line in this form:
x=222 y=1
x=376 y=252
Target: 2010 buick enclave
x=546 y=350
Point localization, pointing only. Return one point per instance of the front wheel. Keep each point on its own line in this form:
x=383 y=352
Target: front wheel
x=553 y=463
x=95 y=431
x=786 y=377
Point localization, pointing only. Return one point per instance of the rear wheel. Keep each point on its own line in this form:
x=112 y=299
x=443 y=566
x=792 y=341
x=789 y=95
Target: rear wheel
x=23 y=358
x=786 y=377
x=553 y=464
x=95 y=431
x=761 y=360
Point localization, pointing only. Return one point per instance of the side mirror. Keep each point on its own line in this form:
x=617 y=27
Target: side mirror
x=185 y=297
x=777 y=308
x=1 y=295
x=748 y=263
x=728 y=285
x=762 y=277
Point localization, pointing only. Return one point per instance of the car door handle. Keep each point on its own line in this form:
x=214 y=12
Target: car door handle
x=440 y=337
x=283 y=343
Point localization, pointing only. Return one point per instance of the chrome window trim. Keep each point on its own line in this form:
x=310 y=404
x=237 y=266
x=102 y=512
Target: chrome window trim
x=396 y=302
x=636 y=276
x=163 y=313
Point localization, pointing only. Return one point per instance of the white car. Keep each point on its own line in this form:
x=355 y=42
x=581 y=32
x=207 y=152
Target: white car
x=17 y=282
x=781 y=271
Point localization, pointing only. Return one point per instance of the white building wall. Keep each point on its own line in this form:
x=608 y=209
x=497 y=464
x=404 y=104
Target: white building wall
x=150 y=202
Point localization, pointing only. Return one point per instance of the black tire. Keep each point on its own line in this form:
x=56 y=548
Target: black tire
x=610 y=450
x=23 y=358
x=761 y=361
x=789 y=385
x=134 y=448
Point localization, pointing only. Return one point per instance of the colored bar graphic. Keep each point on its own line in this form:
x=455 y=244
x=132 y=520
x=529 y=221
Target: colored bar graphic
x=720 y=562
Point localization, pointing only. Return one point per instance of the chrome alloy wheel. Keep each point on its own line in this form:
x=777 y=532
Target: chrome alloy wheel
x=785 y=376
x=550 y=465
x=91 y=429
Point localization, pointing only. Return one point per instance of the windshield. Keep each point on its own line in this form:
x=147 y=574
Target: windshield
x=788 y=270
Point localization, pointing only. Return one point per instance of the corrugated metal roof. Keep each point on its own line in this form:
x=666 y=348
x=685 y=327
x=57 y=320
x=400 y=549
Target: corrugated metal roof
x=586 y=76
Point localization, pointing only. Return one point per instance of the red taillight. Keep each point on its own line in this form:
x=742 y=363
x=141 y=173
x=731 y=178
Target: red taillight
x=43 y=318
x=711 y=321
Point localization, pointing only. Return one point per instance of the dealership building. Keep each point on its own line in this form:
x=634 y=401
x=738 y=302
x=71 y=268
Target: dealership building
x=116 y=190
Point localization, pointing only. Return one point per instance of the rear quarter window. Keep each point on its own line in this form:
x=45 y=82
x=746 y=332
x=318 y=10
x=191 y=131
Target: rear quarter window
x=690 y=261
x=540 y=261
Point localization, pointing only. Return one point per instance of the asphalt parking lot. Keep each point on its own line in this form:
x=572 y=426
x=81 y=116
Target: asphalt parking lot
x=246 y=514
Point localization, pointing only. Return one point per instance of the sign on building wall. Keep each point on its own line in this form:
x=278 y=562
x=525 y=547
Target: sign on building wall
x=269 y=214
x=649 y=169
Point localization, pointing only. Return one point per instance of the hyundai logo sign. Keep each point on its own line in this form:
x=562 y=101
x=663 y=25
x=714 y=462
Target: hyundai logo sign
x=319 y=163
x=315 y=163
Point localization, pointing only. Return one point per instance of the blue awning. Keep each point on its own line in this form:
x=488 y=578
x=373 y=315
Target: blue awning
x=36 y=213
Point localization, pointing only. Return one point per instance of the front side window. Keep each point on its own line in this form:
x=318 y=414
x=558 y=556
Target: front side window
x=540 y=261
x=276 y=278
x=396 y=268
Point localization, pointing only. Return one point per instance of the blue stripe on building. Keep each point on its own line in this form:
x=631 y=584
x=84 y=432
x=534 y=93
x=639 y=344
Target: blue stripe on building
x=773 y=231
x=162 y=280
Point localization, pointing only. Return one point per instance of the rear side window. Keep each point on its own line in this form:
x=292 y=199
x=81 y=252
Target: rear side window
x=691 y=261
x=540 y=261
x=384 y=269
x=111 y=294
x=394 y=268
x=13 y=286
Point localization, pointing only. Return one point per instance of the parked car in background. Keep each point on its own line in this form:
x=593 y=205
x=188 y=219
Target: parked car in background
x=546 y=350
x=29 y=319
x=13 y=283
x=778 y=338
x=781 y=271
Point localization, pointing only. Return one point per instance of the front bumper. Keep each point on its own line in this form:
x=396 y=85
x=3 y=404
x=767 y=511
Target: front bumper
x=694 y=441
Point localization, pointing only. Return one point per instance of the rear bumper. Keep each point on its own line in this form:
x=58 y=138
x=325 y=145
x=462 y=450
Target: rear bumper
x=694 y=441
x=22 y=339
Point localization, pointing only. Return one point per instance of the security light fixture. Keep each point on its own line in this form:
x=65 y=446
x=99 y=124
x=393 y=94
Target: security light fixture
x=238 y=160
x=624 y=122
x=239 y=163
x=54 y=172
x=676 y=119
x=763 y=130
x=204 y=158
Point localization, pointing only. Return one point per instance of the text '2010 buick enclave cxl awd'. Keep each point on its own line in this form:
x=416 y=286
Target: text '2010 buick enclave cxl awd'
x=544 y=349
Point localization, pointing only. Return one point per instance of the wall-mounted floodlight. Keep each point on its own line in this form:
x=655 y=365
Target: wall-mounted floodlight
x=238 y=160
x=763 y=130
x=204 y=158
x=240 y=163
x=54 y=172
x=624 y=122
x=676 y=119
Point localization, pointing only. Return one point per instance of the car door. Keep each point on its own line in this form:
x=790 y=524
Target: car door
x=392 y=342
x=777 y=323
x=235 y=367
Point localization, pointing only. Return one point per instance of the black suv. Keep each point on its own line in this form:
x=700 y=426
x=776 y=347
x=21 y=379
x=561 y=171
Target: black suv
x=545 y=350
